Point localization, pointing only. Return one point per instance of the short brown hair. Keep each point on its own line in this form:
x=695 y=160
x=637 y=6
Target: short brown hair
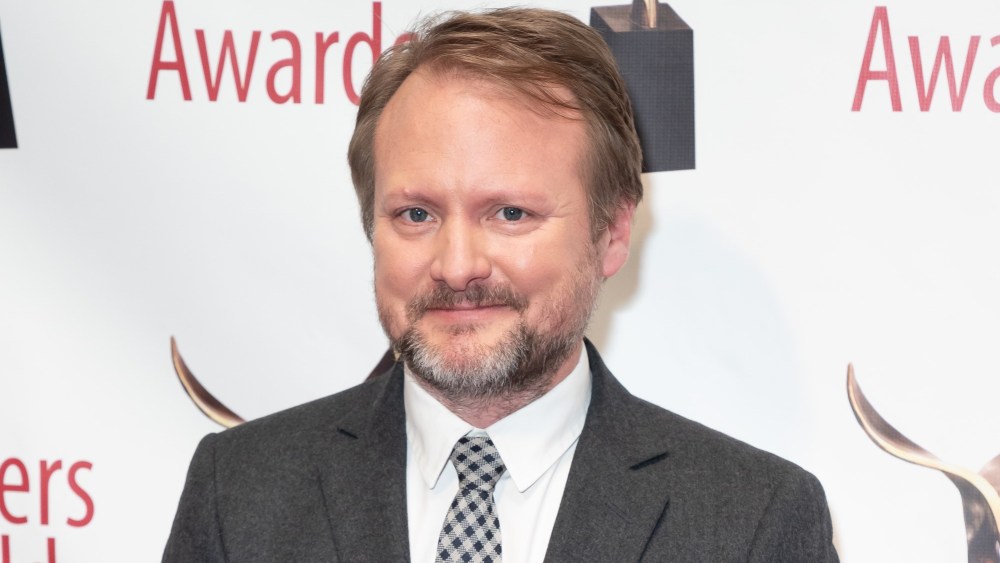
x=528 y=51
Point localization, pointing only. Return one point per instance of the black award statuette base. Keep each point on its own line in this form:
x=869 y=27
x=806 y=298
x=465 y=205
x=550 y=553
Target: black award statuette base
x=658 y=66
x=8 y=140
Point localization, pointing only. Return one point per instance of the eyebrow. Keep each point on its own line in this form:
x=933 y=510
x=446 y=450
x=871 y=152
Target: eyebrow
x=407 y=195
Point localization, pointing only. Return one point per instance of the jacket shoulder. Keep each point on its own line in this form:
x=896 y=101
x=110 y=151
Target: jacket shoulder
x=245 y=484
x=705 y=449
x=286 y=438
x=735 y=497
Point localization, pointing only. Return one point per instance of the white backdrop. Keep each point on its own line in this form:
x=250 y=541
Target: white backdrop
x=809 y=236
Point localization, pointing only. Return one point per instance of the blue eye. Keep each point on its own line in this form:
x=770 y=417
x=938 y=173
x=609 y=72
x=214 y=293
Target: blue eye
x=512 y=213
x=417 y=215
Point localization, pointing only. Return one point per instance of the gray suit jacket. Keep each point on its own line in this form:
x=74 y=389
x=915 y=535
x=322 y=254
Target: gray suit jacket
x=326 y=481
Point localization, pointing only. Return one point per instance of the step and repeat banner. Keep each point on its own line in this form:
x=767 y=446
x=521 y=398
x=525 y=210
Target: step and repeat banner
x=824 y=189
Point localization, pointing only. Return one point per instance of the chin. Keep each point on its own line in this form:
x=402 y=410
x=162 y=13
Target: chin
x=518 y=361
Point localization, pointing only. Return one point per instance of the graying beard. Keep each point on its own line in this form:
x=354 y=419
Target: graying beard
x=521 y=364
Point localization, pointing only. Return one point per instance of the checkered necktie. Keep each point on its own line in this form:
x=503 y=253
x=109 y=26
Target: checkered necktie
x=471 y=531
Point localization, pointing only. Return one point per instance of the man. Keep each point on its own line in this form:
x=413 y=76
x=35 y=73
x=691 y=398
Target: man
x=497 y=168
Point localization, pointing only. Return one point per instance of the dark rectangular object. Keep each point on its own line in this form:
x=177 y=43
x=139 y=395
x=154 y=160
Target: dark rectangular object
x=658 y=67
x=8 y=140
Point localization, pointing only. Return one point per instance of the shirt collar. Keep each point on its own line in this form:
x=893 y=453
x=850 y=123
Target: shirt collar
x=529 y=440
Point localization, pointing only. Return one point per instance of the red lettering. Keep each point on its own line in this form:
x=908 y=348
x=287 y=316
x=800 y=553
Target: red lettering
x=46 y=475
x=242 y=68
x=322 y=44
x=228 y=52
x=989 y=88
x=295 y=62
x=880 y=20
x=374 y=41
x=6 y=487
x=82 y=494
x=5 y=549
x=925 y=95
x=168 y=17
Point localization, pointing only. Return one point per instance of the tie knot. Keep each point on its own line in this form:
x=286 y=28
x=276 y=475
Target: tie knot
x=477 y=462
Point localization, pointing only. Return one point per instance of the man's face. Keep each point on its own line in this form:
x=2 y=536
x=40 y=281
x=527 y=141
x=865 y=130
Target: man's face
x=485 y=269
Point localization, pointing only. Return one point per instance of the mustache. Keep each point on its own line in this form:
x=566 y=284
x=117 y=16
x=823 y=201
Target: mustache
x=443 y=297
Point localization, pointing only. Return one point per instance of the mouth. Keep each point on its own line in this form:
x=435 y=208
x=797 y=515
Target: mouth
x=475 y=304
x=465 y=313
x=467 y=306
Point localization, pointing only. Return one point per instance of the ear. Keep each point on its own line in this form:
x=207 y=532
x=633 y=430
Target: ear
x=615 y=241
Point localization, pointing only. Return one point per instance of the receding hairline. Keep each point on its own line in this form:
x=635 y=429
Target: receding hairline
x=556 y=100
x=488 y=87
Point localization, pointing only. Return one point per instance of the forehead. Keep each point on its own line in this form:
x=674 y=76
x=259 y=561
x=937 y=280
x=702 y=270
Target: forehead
x=441 y=117
x=545 y=99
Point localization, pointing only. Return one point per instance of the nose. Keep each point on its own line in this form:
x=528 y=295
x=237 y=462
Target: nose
x=460 y=255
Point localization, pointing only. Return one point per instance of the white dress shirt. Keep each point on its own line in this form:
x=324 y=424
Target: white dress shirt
x=536 y=444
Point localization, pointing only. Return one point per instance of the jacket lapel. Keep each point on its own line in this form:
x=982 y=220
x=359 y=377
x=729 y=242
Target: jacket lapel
x=615 y=495
x=362 y=474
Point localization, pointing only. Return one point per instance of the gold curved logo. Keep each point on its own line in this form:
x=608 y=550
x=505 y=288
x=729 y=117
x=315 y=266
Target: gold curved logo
x=205 y=401
x=220 y=413
x=980 y=491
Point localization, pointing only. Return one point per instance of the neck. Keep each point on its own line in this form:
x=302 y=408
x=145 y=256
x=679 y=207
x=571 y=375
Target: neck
x=483 y=412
